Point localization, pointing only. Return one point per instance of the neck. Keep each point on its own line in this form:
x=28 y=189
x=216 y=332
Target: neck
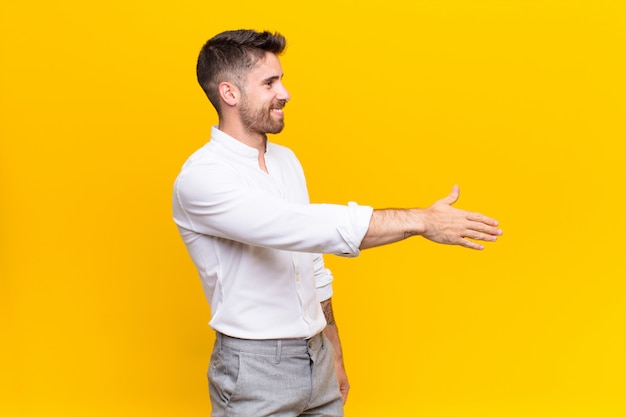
x=257 y=141
x=252 y=139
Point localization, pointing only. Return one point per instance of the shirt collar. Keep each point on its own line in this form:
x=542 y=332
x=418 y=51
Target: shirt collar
x=233 y=144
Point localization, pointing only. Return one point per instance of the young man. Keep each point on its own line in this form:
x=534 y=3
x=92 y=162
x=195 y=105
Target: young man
x=243 y=211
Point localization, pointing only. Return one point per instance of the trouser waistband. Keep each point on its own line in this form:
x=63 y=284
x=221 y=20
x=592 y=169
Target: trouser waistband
x=270 y=346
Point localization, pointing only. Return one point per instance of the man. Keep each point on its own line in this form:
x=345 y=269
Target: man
x=243 y=211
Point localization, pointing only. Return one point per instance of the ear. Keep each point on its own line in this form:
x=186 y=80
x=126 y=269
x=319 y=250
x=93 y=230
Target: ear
x=229 y=93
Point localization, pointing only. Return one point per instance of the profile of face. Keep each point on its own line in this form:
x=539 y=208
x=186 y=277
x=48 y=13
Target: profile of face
x=264 y=97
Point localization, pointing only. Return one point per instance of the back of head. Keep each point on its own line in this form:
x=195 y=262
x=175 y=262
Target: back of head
x=229 y=55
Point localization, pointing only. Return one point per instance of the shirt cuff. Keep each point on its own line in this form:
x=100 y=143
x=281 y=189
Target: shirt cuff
x=325 y=292
x=360 y=217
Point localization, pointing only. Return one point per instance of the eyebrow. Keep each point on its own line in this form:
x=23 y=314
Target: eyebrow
x=272 y=78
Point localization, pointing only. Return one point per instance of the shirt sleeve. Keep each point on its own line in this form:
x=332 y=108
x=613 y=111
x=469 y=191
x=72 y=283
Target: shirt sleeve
x=323 y=278
x=213 y=199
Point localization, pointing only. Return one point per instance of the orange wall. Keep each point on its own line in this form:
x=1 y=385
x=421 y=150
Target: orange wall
x=520 y=102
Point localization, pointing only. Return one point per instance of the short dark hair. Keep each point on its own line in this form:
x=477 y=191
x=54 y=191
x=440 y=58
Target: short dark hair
x=229 y=55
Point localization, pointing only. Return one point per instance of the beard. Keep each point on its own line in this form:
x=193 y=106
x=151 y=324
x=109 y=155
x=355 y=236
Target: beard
x=261 y=120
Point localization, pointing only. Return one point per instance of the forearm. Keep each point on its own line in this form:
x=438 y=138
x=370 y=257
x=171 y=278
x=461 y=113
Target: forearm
x=392 y=225
x=332 y=333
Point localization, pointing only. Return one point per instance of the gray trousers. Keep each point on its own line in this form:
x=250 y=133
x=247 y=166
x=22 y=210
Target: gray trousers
x=282 y=378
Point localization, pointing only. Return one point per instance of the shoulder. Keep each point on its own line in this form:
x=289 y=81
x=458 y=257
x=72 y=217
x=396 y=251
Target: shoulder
x=282 y=152
x=204 y=166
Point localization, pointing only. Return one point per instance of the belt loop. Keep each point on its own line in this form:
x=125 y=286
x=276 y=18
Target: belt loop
x=218 y=336
x=279 y=348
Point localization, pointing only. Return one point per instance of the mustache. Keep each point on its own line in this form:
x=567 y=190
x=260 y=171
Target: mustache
x=279 y=104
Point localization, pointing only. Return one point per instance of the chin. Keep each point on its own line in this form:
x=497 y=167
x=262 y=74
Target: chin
x=276 y=130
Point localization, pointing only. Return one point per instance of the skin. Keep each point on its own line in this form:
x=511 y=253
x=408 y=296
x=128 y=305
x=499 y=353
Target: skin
x=248 y=114
x=440 y=223
x=332 y=333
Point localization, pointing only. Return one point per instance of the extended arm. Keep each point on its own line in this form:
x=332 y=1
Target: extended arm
x=440 y=223
x=332 y=333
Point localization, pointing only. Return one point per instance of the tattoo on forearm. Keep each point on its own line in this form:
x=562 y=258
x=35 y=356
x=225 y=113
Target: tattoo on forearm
x=409 y=234
x=327 y=308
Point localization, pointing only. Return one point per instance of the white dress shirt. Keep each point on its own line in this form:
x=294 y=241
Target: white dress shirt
x=257 y=240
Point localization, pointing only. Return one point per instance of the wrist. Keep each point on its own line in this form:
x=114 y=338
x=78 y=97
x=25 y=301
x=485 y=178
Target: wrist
x=416 y=222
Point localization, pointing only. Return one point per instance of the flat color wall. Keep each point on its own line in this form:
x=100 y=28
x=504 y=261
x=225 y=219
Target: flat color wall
x=520 y=102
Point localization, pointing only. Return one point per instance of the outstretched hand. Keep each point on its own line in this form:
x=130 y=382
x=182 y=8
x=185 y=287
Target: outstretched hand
x=448 y=225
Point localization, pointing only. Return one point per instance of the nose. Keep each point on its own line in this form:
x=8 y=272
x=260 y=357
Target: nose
x=283 y=94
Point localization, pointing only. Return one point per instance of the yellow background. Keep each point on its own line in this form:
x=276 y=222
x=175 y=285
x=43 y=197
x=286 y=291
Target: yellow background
x=521 y=102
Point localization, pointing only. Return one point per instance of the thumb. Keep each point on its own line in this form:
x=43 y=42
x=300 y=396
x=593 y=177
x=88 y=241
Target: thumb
x=452 y=197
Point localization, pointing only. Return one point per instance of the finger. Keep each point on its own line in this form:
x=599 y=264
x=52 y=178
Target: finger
x=452 y=197
x=344 y=393
x=466 y=243
x=485 y=229
x=475 y=235
x=477 y=217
